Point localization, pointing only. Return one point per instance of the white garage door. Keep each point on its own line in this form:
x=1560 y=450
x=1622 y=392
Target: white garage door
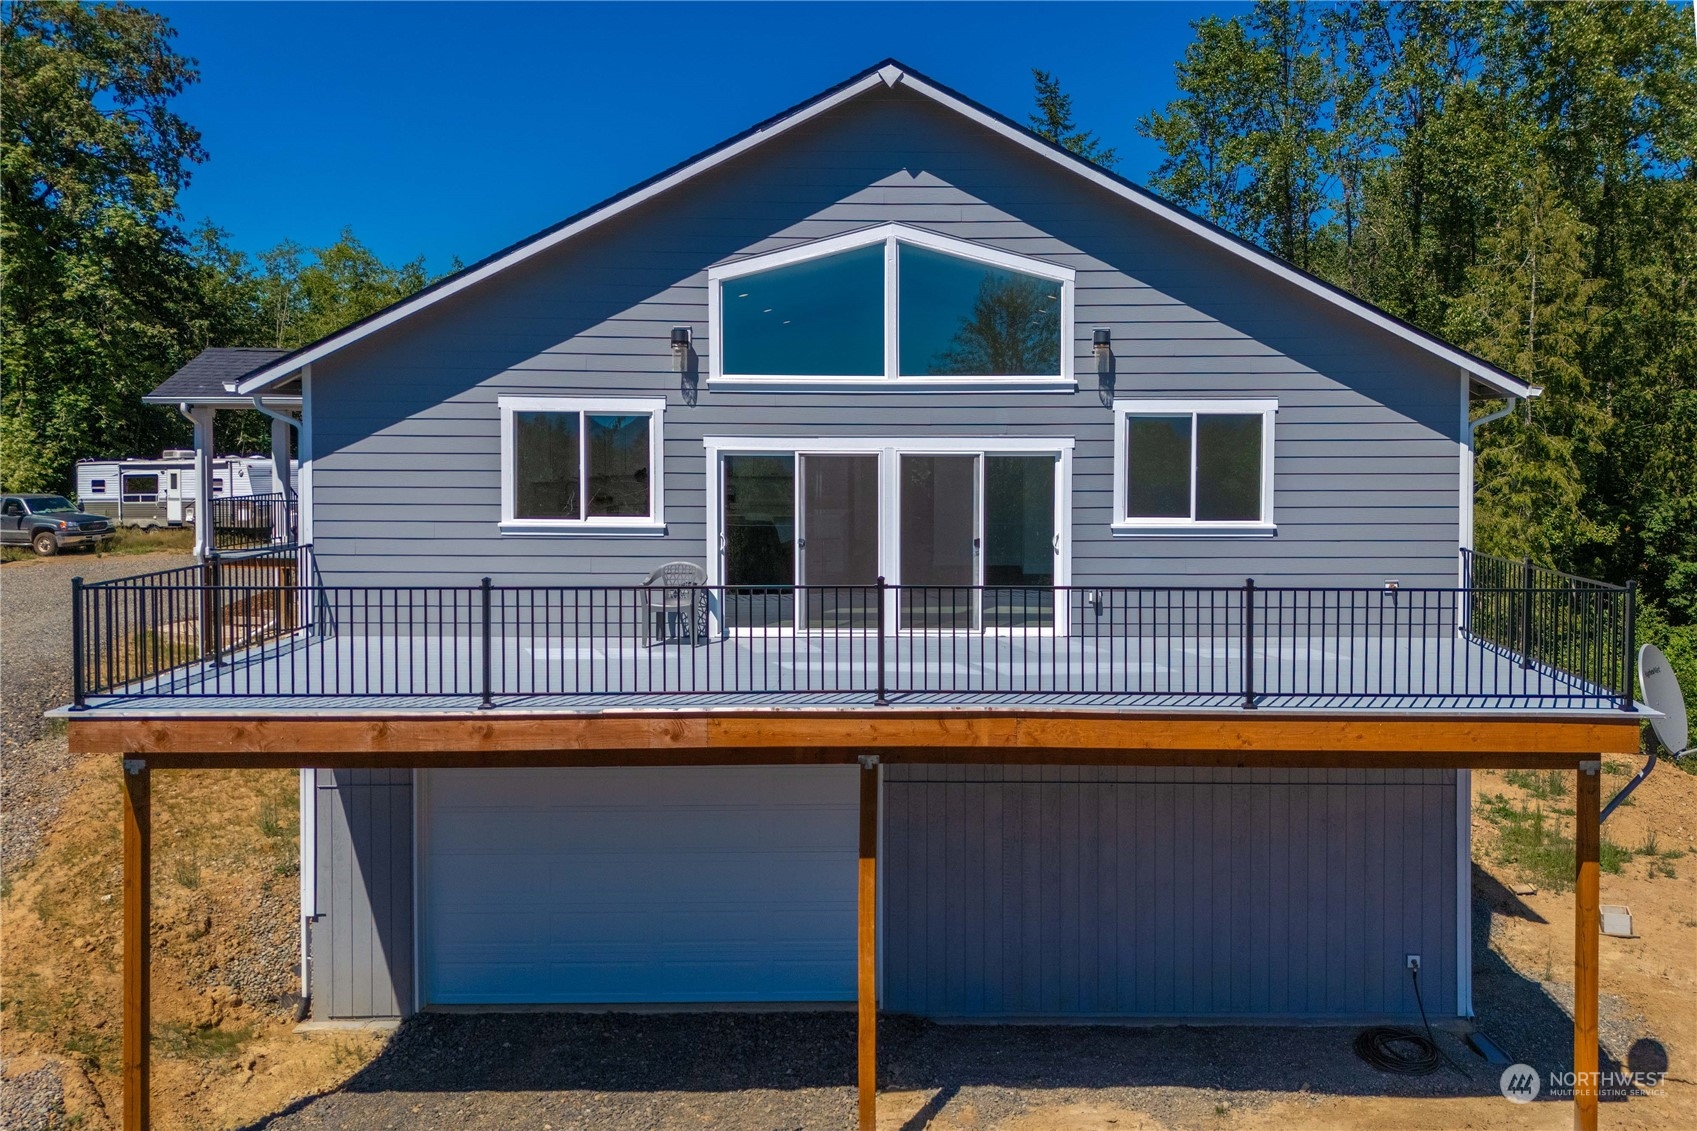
x=711 y=884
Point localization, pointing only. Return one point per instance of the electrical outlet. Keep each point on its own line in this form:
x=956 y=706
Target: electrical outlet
x=1414 y=963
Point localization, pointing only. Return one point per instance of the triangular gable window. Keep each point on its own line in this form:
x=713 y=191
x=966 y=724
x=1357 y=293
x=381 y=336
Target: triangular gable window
x=891 y=305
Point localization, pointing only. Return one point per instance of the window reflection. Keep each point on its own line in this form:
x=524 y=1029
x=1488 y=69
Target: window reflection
x=965 y=319
x=618 y=466
x=820 y=318
x=547 y=464
x=1158 y=466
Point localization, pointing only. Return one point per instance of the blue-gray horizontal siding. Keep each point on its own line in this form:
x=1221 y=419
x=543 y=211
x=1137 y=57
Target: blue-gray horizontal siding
x=1066 y=892
x=406 y=464
x=361 y=943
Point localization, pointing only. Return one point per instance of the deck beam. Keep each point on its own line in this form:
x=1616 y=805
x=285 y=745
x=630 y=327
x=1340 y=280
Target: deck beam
x=1260 y=739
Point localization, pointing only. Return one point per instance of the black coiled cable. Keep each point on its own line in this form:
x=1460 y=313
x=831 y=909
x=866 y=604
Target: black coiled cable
x=1403 y=1051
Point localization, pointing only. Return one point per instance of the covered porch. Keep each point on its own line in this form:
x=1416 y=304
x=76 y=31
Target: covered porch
x=198 y=392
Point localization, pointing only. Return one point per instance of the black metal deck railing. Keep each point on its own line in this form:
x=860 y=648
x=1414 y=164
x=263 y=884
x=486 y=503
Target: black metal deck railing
x=249 y=522
x=263 y=626
x=1550 y=619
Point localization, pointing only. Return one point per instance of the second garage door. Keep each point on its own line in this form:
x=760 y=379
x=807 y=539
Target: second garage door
x=719 y=884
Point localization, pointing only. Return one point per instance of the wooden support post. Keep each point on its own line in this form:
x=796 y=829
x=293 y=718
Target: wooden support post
x=1587 y=842
x=137 y=1023
x=868 y=964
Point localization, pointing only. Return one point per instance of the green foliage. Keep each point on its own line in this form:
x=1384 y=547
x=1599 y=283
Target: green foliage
x=1519 y=179
x=291 y=295
x=1538 y=849
x=1053 y=120
x=103 y=294
x=1545 y=786
x=178 y=1040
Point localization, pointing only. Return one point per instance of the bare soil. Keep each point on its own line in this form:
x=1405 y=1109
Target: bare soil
x=227 y=1053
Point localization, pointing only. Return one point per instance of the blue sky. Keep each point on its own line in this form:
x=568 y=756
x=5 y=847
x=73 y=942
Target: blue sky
x=457 y=128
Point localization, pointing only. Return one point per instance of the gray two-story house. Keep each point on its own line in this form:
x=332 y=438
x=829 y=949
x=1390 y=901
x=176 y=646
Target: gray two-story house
x=923 y=569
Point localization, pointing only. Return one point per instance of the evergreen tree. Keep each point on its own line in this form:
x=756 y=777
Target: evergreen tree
x=1053 y=120
x=1520 y=178
x=101 y=294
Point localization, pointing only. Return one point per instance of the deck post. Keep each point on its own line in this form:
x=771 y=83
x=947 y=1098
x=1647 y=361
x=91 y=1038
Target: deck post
x=1526 y=601
x=883 y=700
x=868 y=957
x=1248 y=644
x=79 y=694
x=1587 y=842
x=488 y=593
x=137 y=1022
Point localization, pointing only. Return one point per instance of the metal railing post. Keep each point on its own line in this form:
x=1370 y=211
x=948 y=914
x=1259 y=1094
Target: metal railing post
x=883 y=699
x=1526 y=617
x=79 y=693
x=213 y=582
x=1626 y=661
x=1249 y=643
x=488 y=636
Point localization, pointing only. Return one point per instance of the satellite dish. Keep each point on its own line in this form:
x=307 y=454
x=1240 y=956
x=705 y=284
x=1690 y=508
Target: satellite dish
x=1662 y=693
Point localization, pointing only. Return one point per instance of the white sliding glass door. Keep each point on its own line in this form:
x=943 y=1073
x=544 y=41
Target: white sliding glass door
x=939 y=542
x=970 y=534
x=839 y=543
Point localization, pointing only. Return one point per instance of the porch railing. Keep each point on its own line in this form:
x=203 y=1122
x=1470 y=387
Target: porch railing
x=262 y=626
x=132 y=629
x=1549 y=619
x=249 y=522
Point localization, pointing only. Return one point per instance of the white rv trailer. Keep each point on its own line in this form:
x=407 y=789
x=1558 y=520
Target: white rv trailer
x=161 y=492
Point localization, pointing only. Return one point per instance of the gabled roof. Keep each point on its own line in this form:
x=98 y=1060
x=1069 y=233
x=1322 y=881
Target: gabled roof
x=889 y=73
x=206 y=379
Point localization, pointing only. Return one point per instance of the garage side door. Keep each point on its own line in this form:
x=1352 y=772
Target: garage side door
x=718 y=884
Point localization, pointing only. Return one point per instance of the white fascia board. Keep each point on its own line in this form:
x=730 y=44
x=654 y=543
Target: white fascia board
x=889 y=76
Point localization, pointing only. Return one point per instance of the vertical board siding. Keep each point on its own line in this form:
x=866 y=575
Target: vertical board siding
x=406 y=471
x=1167 y=893
x=362 y=940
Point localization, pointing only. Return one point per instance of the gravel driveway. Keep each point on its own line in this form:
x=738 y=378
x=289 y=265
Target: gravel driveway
x=35 y=675
x=480 y=1072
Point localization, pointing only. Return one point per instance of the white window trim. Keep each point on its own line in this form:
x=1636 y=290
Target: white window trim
x=890 y=235
x=890 y=450
x=1126 y=526
x=650 y=524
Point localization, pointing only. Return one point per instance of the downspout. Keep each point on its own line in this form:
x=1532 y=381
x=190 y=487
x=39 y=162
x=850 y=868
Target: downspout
x=294 y=422
x=1473 y=426
x=308 y=777
x=1464 y=778
x=280 y=467
x=202 y=416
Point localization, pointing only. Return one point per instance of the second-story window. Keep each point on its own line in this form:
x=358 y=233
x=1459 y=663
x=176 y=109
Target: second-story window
x=578 y=464
x=891 y=304
x=1201 y=466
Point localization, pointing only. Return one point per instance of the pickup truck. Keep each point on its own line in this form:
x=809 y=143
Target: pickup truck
x=49 y=523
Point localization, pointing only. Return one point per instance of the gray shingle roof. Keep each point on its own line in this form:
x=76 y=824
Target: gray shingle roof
x=205 y=376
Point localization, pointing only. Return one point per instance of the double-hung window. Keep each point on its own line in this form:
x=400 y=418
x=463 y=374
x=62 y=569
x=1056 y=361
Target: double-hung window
x=571 y=464
x=1203 y=466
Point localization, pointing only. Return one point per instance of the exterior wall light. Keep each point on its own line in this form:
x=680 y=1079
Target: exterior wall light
x=680 y=348
x=1102 y=344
